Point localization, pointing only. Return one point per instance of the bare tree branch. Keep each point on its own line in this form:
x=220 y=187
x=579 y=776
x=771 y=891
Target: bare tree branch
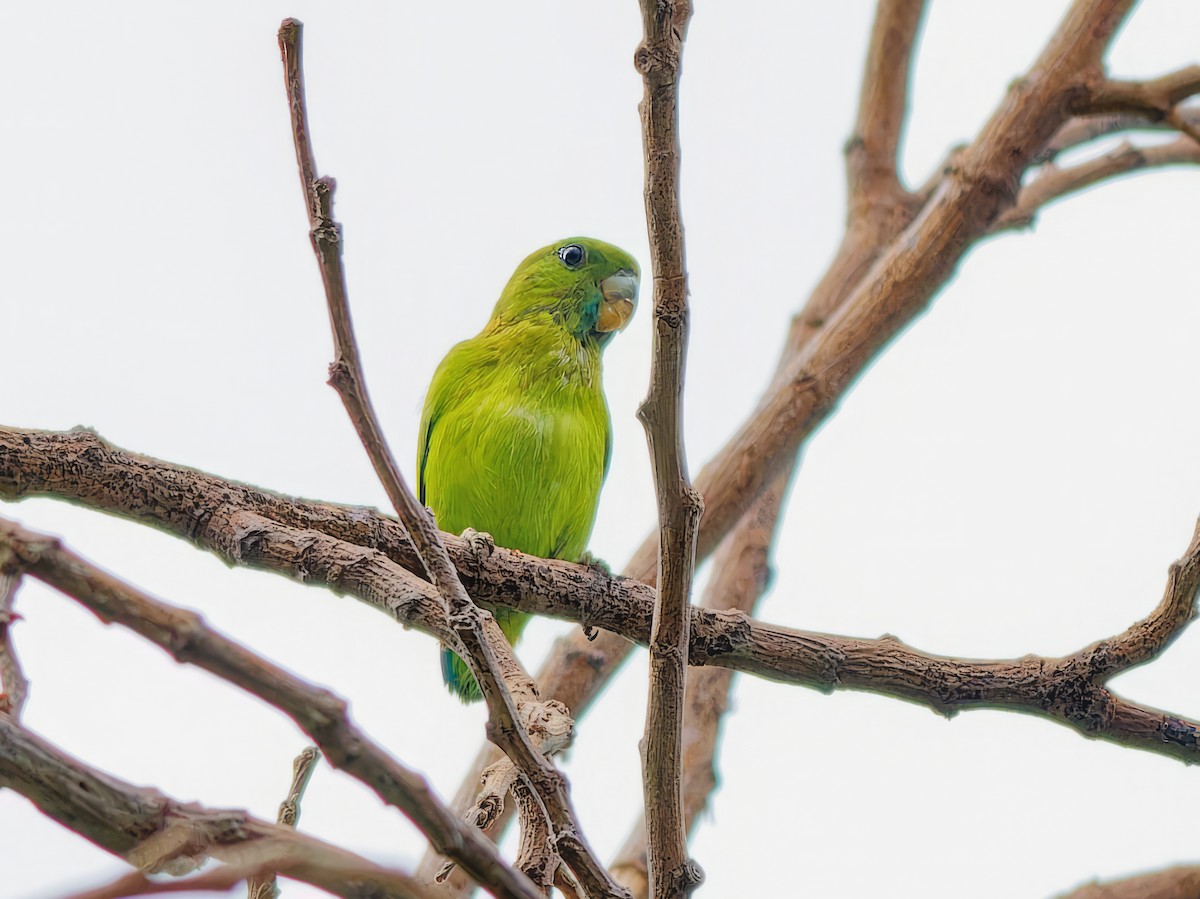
x=740 y=575
x=879 y=207
x=504 y=683
x=303 y=767
x=321 y=714
x=14 y=686
x=536 y=857
x=1155 y=95
x=659 y=60
x=1181 y=882
x=355 y=882
x=1155 y=100
x=158 y=834
x=871 y=152
x=1058 y=689
x=1086 y=128
x=1053 y=183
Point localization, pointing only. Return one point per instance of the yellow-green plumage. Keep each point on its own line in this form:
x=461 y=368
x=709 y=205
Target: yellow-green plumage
x=515 y=436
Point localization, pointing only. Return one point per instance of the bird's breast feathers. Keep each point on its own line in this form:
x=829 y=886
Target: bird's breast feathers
x=521 y=453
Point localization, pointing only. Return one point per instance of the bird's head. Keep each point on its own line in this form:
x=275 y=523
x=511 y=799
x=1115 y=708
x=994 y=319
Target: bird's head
x=584 y=285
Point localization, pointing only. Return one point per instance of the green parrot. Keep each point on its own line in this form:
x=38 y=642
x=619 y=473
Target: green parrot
x=515 y=436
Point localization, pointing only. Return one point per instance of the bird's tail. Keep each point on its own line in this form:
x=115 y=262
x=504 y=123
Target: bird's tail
x=456 y=674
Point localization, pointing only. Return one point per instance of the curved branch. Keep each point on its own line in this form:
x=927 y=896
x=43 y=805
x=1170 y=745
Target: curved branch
x=321 y=714
x=156 y=833
x=1084 y=129
x=1154 y=100
x=1053 y=183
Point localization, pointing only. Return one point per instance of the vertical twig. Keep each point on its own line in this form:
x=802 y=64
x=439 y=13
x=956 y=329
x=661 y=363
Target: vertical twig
x=872 y=150
x=740 y=575
x=14 y=686
x=658 y=59
x=303 y=767
x=503 y=681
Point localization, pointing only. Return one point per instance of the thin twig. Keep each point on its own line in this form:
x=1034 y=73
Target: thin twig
x=740 y=575
x=14 y=686
x=659 y=59
x=879 y=207
x=1083 y=129
x=871 y=152
x=303 y=767
x=1053 y=183
x=504 y=683
x=302 y=771
x=350 y=882
x=321 y=714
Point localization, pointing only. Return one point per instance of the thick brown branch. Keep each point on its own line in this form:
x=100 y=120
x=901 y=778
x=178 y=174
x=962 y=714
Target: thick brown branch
x=504 y=683
x=871 y=152
x=659 y=60
x=175 y=498
x=156 y=833
x=322 y=715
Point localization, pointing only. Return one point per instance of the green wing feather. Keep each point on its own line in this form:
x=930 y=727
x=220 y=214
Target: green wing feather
x=515 y=437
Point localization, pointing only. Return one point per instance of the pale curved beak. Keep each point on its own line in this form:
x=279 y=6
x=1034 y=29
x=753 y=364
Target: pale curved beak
x=620 y=299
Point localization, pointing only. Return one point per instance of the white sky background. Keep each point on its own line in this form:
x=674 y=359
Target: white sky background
x=1013 y=476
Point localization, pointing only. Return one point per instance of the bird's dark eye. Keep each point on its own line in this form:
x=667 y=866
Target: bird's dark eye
x=572 y=255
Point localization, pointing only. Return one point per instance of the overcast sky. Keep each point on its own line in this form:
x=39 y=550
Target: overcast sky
x=1013 y=476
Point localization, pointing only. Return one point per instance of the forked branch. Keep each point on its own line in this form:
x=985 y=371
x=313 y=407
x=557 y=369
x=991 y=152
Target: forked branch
x=158 y=834
x=322 y=715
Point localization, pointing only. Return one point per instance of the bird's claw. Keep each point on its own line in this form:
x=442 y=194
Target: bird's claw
x=480 y=543
x=595 y=563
